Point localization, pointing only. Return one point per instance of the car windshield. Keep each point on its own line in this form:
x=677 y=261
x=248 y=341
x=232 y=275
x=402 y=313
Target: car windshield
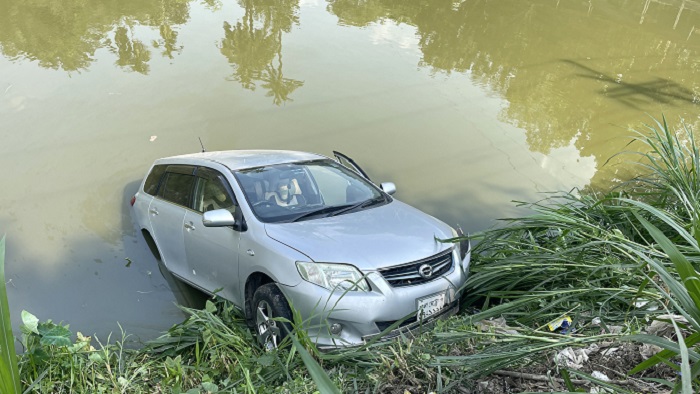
x=306 y=190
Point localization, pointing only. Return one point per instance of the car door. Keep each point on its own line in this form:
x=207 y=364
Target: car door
x=350 y=163
x=212 y=252
x=387 y=187
x=167 y=212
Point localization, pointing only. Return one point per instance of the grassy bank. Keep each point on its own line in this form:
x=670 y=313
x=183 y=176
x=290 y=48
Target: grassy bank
x=622 y=265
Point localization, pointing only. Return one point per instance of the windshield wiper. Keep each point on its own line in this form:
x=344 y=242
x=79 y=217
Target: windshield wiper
x=322 y=211
x=363 y=204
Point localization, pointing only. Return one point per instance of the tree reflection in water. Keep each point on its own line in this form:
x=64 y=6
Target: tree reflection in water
x=132 y=53
x=566 y=69
x=253 y=46
x=168 y=41
x=64 y=35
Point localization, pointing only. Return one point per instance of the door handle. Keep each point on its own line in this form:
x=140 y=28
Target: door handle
x=189 y=226
x=153 y=211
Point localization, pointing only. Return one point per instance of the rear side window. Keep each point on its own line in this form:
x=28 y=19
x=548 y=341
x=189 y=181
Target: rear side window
x=177 y=188
x=153 y=180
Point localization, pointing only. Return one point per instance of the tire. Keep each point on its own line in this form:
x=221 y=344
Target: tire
x=270 y=303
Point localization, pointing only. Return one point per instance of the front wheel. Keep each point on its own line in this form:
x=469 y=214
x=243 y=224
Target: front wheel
x=269 y=303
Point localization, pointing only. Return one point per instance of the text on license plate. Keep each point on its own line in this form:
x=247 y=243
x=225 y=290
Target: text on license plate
x=430 y=305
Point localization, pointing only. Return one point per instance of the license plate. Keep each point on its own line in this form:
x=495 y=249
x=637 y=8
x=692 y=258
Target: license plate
x=430 y=305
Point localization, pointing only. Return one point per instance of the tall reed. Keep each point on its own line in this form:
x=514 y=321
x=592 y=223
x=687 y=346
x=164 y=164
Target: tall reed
x=670 y=178
x=629 y=254
x=9 y=373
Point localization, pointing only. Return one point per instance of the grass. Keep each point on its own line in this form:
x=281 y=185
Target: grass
x=624 y=258
x=561 y=258
x=9 y=373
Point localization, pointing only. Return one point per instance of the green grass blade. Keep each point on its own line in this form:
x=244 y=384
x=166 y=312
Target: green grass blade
x=692 y=284
x=686 y=377
x=36 y=381
x=695 y=371
x=614 y=388
x=9 y=372
x=660 y=342
x=320 y=377
x=684 y=268
x=567 y=380
x=664 y=355
x=498 y=310
x=668 y=220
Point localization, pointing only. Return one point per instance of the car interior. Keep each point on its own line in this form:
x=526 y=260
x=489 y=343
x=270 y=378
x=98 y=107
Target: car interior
x=214 y=196
x=279 y=187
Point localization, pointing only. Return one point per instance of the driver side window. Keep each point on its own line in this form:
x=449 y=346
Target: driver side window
x=211 y=194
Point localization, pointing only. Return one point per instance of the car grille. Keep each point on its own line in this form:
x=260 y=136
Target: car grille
x=411 y=321
x=383 y=325
x=411 y=326
x=409 y=275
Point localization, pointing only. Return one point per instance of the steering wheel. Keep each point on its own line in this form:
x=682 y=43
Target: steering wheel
x=263 y=202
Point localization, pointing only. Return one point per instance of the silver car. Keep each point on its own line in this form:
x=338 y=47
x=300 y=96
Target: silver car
x=275 y=230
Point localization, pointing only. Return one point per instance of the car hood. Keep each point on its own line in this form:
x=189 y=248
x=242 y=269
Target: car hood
x=373 y=238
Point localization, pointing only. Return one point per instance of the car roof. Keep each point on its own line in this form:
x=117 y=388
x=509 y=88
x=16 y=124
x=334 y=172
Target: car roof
x=241 y=159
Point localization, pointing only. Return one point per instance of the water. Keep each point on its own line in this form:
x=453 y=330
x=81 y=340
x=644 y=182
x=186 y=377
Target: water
x=464 y=105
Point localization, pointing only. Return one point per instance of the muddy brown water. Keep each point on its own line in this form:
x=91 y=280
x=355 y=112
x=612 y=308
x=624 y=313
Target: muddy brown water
x=465 y=105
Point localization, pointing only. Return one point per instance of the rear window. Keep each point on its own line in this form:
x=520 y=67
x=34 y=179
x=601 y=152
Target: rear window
x=153 y=180
x=177 y=188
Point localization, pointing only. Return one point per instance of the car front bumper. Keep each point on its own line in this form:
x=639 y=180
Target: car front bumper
x=364 y=315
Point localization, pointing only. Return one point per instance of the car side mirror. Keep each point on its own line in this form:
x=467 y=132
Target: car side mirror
x=218 y=218
x=388 y=187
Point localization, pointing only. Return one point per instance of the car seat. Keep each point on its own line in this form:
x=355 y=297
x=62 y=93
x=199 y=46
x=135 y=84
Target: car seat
x=285 y=193
x=215 y=197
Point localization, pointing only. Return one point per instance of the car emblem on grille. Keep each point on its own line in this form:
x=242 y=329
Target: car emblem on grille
x=426 y=271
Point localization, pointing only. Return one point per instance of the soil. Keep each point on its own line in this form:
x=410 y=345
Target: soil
x=613 y=360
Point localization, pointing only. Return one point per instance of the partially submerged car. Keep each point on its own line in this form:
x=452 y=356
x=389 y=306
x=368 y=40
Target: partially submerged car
x=270 y=229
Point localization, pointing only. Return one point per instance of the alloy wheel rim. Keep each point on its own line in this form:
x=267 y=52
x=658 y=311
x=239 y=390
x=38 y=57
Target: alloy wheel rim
x=266 y=328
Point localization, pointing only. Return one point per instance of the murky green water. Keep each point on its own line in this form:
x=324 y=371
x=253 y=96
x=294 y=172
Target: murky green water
x=464 y=105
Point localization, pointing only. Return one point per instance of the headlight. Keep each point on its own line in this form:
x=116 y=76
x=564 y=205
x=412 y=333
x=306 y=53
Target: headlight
x=332 y=276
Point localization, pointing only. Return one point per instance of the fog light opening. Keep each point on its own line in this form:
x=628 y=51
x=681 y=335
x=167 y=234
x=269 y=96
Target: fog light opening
x=336 y=328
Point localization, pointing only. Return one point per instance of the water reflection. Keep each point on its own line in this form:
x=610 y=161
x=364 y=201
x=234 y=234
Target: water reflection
x=132 y=53
x=58 y=35
x=253 y=45
x=563 y=82
x=362 y=12
x=639 y=94
x=65 y=35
